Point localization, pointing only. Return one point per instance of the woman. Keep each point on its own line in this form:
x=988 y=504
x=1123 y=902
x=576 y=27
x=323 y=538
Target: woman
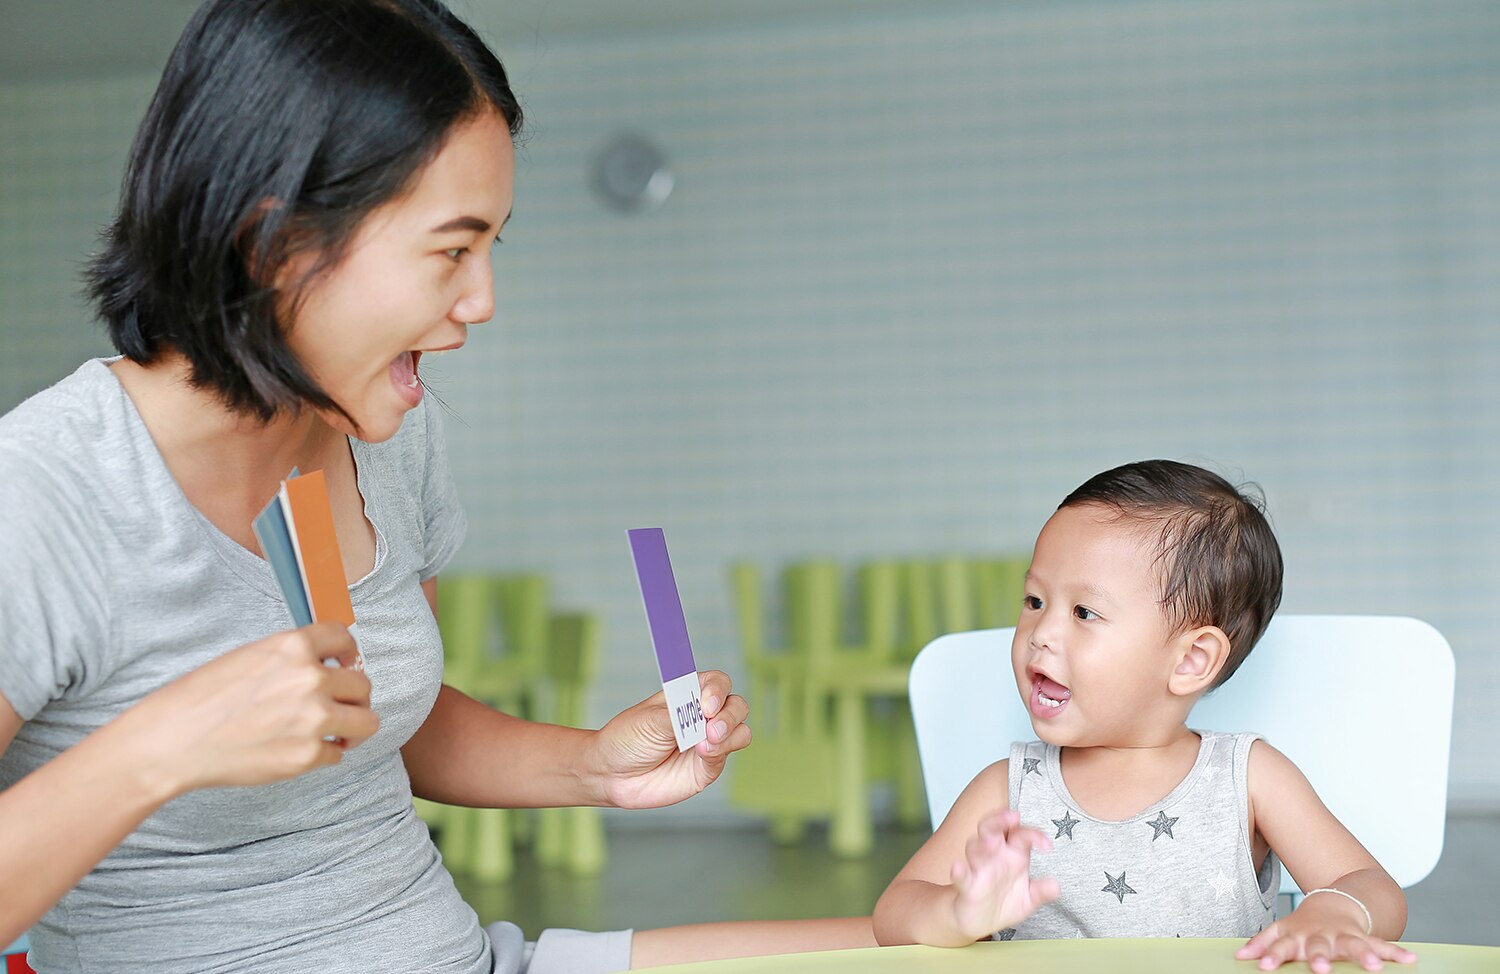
x=308 y=209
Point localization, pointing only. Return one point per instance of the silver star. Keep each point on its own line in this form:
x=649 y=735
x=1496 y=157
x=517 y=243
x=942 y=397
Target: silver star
x=1065 y=824
x=1162 y=824
x=1221 y=884
x=1116 y=886
x=1029 y=765
x=1209 y=774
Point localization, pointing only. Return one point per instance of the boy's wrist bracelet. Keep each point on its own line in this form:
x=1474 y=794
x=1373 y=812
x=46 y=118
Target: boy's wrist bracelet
x=1369 y=923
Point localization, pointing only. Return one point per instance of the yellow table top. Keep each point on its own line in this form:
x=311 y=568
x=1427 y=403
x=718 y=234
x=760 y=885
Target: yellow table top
x=1144 y=956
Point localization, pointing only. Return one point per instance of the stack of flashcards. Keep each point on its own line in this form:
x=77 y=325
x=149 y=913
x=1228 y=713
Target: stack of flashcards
x=674 y=654
x=296 y=535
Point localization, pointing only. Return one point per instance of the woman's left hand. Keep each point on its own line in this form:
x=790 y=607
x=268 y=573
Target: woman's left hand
x=635 y=755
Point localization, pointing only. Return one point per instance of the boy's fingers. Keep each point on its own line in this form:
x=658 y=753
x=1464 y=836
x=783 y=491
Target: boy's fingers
x=1256 y=945
x=1033 y=839
x=1280 y=952
x=1395 y=952
x=1045 y=889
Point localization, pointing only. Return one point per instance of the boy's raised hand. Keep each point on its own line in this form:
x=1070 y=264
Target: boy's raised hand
x=1321 y=933
x=992 y=883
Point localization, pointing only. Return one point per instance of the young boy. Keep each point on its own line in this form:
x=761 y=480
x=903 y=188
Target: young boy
x=1148 y=587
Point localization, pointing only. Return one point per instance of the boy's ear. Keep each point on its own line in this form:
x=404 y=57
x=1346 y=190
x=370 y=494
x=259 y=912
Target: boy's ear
x=1201 y=654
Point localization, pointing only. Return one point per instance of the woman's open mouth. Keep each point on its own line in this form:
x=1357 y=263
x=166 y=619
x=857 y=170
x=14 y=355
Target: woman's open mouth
x=404 y=377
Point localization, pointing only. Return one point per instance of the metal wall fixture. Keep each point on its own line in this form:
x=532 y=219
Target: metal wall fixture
x=631 y=174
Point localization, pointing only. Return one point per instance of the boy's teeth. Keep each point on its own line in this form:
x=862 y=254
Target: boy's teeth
x=1048 y=701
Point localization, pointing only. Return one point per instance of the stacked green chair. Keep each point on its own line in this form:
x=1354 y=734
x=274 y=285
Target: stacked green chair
x=789 y=771
x=999 y=585
x=819 y=759
x=494 y=631
x=571 y=838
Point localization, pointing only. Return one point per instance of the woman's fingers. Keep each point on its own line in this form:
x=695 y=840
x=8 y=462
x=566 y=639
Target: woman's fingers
x=722 y=722
x=347 y=686
x=352 y=725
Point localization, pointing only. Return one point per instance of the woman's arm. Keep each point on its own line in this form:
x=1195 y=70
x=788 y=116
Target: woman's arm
x=1320 y=853
x=466 y=753
x=257 y=714
x=971 y=878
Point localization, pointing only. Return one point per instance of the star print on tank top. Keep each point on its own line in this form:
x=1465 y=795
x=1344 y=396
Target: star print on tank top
x=1180 y=867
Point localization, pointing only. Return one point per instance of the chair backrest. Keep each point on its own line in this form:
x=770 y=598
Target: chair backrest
x=1349 y=699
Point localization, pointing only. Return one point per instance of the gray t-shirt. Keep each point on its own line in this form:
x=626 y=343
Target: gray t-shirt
x=113 y=585
x=1181 y=868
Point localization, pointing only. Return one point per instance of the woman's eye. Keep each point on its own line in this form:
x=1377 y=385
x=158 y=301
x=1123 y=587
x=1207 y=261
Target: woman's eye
x=1084 y=612
x=1031 y=602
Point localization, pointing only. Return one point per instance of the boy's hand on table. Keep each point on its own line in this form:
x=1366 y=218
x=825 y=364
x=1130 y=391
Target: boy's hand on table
x=1322 y=930
x=992 y=883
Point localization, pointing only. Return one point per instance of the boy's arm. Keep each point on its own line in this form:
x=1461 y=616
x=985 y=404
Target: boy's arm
x=971 y=878
x=1320 y=853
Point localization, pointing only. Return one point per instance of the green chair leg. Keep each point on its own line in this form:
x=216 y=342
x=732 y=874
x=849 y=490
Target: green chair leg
x=493 y=857
x=852 y=833
x=911 y=796
x=586 y=853
x=456 y=838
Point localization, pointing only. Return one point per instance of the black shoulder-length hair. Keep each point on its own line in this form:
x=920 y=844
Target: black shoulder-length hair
x=277 y=127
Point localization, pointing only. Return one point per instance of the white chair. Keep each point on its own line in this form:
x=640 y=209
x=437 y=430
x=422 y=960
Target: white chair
x=1362 y=704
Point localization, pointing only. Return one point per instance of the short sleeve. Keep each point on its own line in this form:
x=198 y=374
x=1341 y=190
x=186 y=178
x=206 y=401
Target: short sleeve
x=444 y=523
x=53 y=603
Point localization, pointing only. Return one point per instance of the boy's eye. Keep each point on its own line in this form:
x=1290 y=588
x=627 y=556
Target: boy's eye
x=1031 y=602
x=1084 y=612
x=454 y=253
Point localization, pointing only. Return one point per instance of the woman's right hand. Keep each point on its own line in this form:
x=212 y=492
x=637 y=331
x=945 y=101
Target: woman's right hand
x=266 y=711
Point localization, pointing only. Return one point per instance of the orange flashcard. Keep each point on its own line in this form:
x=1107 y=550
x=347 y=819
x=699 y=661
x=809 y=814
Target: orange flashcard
x=305 y=501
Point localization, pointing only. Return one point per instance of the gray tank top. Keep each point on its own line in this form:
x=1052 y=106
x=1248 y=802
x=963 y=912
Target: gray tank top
x=1181 y=868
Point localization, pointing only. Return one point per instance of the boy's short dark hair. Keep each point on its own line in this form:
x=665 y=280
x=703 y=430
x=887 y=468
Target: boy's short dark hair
x=1219 y=561
x=277 y=127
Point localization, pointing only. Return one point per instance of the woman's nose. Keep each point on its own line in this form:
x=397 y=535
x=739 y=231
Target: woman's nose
x=477 y=302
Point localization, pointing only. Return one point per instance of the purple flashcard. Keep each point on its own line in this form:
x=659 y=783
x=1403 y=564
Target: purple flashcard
x=674 y=653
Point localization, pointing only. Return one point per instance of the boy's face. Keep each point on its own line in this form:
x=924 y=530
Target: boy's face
x=1091 y=648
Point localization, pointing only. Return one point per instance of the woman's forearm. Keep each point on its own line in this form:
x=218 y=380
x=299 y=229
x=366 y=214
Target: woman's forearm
x=58 y=822
x=467 y=753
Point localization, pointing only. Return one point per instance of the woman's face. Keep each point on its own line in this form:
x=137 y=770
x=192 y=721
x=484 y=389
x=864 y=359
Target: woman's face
x=416 y=275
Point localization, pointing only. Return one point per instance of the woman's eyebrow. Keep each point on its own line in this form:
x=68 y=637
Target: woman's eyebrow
x=463 y=223
x=474 y=223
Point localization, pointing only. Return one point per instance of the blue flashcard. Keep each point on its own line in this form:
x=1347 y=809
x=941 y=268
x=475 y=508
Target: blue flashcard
x=275 y=538
x=674 y=653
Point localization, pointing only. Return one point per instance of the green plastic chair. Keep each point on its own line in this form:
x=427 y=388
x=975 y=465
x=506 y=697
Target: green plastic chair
x=571 y=838
x=494 y=631
x=826 y=746
x=999 y=584
x=788 y=772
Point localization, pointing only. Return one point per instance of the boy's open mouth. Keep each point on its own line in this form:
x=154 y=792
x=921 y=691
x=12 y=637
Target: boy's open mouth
x=1048 y=697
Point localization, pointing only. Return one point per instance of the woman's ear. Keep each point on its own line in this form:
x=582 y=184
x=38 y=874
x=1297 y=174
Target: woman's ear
x=252 y=242
x=1201 y=654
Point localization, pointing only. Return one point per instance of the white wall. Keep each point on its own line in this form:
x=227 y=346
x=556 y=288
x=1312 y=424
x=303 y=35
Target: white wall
x=922 y=275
